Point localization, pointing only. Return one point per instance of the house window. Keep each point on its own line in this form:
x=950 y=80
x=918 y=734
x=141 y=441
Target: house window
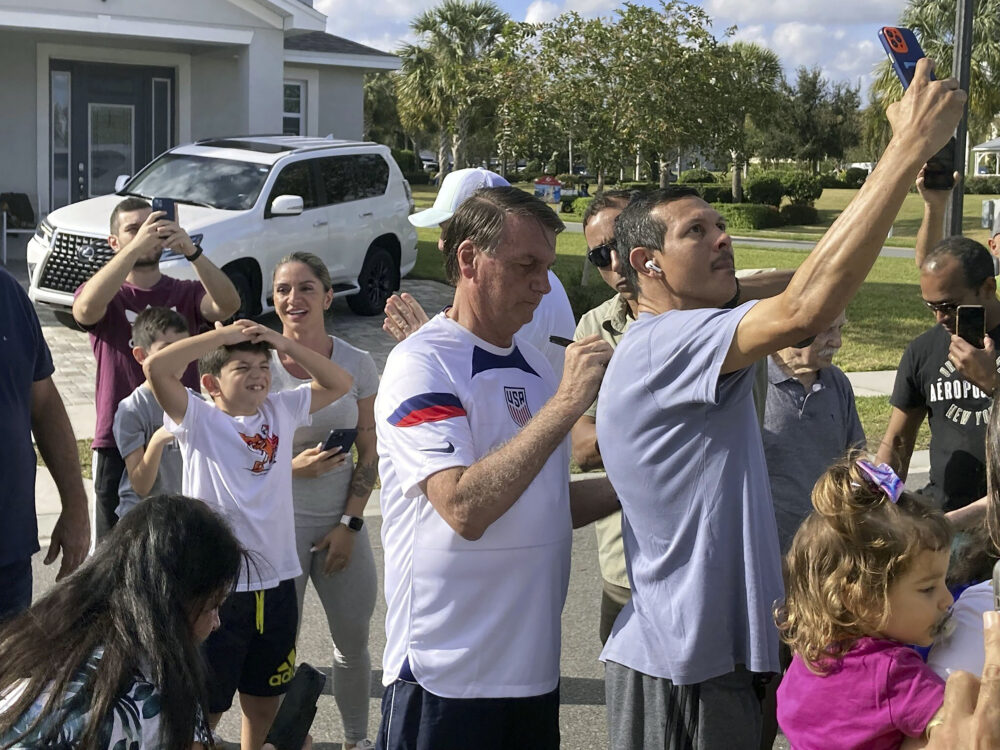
x=60 y=124
x=292 y=122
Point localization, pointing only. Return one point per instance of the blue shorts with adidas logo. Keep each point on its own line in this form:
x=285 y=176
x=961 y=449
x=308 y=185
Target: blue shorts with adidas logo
x=253 y=650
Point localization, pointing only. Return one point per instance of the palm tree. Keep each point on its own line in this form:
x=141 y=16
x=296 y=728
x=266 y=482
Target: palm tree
x=756 y=79
x=444 y=74
x=934 y=24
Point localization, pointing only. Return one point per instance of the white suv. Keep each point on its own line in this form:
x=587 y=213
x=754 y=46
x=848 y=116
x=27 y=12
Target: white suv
x=248 y=202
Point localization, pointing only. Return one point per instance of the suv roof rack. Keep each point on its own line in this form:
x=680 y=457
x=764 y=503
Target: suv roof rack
x=251 y=143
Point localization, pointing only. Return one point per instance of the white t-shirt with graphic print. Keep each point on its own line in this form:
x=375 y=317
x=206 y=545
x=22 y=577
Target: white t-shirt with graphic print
x=472 y=619
x=242 y=467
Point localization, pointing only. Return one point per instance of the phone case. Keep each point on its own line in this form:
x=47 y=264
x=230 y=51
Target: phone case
x=970 y=324
x=343 y=438
x=903 y=49
x=166 y=205
x=298 y=709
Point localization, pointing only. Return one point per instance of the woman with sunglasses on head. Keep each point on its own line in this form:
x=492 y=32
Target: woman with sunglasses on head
x=110 y=655
x=329 y=492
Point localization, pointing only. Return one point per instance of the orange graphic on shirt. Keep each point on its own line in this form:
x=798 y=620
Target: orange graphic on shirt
x=266 y=444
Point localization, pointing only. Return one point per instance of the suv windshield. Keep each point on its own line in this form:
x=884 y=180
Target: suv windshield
x=220 y=183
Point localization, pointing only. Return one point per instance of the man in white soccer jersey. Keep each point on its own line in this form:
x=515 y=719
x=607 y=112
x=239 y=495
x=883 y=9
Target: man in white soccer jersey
x=477 y=508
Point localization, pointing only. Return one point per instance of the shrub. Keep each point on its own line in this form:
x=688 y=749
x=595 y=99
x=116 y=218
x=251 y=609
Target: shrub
x=406 y=160
x=798 y=213
x=580 y=205
x=696 y=176
x=855 y=177
x=831 y=181
x=418 y=178
x=742 y=216
x=764 y=188
x=801 y=188
x=568 y=180
x=982 y=185
x=716 y=193
x=644 y=186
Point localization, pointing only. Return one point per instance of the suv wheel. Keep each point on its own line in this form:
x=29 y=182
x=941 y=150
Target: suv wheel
x=378 y=279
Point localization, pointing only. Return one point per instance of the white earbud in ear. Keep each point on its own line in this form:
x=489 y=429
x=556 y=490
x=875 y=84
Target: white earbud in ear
x=651 y=265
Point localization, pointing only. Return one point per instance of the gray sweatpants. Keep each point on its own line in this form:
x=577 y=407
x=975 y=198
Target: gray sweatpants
x=650 y=713
x=348 y=597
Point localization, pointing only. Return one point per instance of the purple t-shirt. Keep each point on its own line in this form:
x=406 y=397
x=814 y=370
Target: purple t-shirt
x=880 y=692
x=118 y=374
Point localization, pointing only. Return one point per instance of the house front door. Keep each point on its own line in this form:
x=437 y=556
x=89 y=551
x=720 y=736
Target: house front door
x=107 y=120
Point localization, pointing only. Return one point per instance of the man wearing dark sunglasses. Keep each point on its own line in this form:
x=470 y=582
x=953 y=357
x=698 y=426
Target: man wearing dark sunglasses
x=945 y=378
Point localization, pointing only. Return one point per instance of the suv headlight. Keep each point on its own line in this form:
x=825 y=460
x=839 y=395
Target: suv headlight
x=44 y=232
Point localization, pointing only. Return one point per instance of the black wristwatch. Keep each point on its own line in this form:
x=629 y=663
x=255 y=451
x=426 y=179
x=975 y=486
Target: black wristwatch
x=354 y=523
x=195 y=255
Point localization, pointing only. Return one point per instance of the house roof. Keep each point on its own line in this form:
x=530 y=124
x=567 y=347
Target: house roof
x=320 y=41
x=993 y=145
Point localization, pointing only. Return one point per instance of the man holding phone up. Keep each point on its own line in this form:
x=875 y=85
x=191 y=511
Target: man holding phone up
x=109 y=301
x=684 y=656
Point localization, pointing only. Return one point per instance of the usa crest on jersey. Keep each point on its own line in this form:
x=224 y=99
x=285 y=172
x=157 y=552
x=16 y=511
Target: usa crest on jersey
x=517 y=405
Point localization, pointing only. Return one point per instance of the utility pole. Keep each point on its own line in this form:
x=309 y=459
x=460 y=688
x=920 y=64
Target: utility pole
x=960 y=67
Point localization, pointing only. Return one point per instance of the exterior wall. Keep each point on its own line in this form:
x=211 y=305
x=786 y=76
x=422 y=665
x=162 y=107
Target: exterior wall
x=341 y=102
x=17 y=116
x=210 y=13
x=218 y=105
x=261 y=73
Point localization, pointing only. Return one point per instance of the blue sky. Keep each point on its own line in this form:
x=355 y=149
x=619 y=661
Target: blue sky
x=837 y=35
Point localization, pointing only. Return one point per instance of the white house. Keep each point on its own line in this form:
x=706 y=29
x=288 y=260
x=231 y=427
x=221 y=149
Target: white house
x=96 y=88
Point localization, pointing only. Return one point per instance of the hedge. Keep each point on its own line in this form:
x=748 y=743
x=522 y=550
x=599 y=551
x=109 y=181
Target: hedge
x=580 y=205
x=743 y=216
x=855 y=177
x=406 y=160
x=797 y=214
x=715 y=193
x=418 y=178
x=801 y=188
x=696 y=176
x=982 y=185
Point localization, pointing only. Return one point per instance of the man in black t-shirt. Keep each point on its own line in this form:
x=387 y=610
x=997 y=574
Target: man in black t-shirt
x=946 y=379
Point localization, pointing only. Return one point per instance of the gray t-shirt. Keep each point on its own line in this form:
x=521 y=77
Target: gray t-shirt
x=803 y=434
x=682 y=447
x=137 y=418
x=323 y=499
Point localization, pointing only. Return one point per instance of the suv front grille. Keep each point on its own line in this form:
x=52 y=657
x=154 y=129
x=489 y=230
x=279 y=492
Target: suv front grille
x=66 y=268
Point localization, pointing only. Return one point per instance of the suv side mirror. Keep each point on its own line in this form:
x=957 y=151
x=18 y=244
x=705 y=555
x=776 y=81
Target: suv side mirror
x=286 y=205
x=120 y=181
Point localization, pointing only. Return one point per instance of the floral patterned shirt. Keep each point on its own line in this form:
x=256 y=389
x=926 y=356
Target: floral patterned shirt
x=132 y=724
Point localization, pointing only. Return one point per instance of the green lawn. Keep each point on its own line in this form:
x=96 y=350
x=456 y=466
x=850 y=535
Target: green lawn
x=874 y=414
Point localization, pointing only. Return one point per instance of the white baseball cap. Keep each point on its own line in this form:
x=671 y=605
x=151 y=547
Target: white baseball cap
x=455 y=188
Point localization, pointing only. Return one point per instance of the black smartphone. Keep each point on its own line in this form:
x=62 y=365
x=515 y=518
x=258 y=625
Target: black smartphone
x=971 y=324
x=939 y=172
x=168 y=207
x=298 y=709
x=343 y=439
x=560 y=340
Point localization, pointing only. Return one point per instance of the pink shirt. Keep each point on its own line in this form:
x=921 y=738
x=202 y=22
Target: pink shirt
x=118 y=374
x=879 y=693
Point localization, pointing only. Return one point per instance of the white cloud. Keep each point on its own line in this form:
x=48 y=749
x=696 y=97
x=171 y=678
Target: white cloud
x=876 y=12
x=541 y=11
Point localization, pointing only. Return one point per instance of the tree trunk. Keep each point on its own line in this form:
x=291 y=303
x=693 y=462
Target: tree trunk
x=737 y=178
x=600 y=179
x=664 y=170
x=458 y=139
x=442 y=155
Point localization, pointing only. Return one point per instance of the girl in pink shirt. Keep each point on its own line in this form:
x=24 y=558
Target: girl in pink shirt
x=865 y=576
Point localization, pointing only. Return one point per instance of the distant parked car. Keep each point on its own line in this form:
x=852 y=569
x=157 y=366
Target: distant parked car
x=249 y=202
x=429 y=165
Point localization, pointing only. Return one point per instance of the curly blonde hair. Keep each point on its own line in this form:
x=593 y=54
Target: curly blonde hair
x=844 y=558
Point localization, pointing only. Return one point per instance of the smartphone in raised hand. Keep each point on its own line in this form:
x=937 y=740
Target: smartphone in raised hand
x=168 y=206
x=904 y=50
x=971 y=324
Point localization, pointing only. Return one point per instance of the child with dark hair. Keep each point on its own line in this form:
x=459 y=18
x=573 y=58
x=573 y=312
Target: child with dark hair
x=152 y=460
x=865 y=576
x=238 y=458
x=109 y=657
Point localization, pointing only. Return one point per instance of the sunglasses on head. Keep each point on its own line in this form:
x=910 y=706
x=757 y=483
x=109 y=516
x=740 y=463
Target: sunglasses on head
x=600 y=256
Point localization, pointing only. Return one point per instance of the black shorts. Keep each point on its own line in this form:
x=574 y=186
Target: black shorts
x=415 y=718
x=253 y=650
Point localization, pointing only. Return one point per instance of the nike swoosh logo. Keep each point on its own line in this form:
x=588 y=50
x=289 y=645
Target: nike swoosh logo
x=446 y=448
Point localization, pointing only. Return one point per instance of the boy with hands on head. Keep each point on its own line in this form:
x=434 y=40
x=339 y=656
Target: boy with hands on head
x=238 y=459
